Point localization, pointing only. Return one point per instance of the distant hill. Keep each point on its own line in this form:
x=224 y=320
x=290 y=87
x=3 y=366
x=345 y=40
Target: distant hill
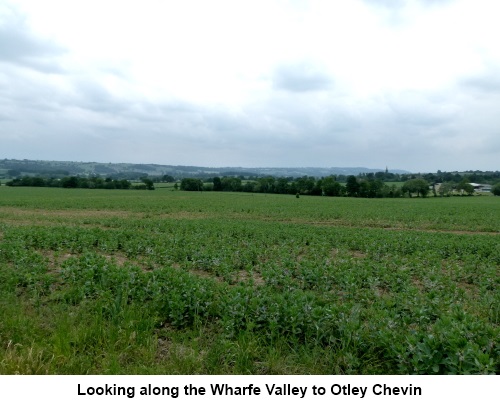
x=46 y=168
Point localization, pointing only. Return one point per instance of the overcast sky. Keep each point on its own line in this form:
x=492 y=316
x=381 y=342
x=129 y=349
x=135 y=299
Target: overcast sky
x=410 y=84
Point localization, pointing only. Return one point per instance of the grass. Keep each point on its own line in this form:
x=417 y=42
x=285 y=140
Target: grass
x=162 y=282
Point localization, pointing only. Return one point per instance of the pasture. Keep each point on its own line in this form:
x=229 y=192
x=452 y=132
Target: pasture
x=171 y=282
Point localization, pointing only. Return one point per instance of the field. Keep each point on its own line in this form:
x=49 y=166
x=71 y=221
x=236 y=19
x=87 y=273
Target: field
x=170 y=282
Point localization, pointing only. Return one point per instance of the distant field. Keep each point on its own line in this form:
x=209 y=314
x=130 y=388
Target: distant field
x=140 y=282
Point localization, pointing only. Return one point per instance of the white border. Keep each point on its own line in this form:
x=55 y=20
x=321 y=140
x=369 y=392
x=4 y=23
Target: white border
x=56 y=390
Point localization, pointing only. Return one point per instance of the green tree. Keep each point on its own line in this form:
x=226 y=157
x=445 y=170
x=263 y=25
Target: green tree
x=217 y=184
x=364 y=188
x=249 y=186
x=266 y=184
x=305 y=184
x=231 y=184
x=281 y=185
x=190 y=184
x=419 y=186
x=465 y=187
x=125 y=184
x=69 y=182
x=352 y=186
x=377 y=189
x=468 y=188
x=38 y=182
x=330 y=186
x=149 y=183
x=496 y=189
x=446 y=189
x=393 y=191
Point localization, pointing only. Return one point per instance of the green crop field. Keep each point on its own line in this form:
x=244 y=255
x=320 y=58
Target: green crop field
x=154 y=282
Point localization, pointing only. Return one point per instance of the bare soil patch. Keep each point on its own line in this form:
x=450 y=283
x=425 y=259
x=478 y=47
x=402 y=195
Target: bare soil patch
x=183 y=215
x=358 y=254
x=70 y=213
x=255 y=277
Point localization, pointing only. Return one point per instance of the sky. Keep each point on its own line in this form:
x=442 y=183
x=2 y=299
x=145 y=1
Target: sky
x=403 y=84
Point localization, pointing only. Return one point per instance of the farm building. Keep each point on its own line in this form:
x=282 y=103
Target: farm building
x=478 y=188
x=481 y=188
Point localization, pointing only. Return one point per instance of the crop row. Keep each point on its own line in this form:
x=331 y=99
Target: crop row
x=389 y=301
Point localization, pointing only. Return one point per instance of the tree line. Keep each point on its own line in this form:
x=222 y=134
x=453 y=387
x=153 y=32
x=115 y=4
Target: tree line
x=306 y=185
x=386 y=176
x=80 y=182
x=364 y=187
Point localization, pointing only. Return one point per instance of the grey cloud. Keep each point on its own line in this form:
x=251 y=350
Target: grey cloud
x=340 y=119
x=172 y=118
x=19 y=90
x=421 y=109
x=91 y=95
x=487 y=82
x=300 y=77
x=223 y=122
x=20 y=47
